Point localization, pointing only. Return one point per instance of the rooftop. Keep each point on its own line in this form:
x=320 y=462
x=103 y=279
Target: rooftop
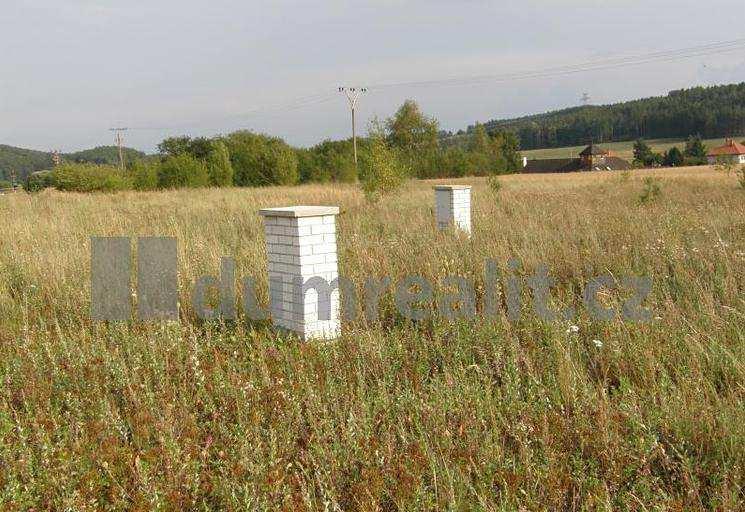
x=594 y=150
x=572 y=165
x=730 y=148
x=553 y=165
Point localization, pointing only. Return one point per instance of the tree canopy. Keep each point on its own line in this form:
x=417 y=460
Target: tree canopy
x=709 y=111
x=260 y=160
x=410 y=130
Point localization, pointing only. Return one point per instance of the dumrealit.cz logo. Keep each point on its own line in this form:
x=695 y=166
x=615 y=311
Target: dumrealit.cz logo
x=158 y=294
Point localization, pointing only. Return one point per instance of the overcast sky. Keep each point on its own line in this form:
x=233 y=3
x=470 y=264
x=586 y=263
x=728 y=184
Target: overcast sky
x=71 y=69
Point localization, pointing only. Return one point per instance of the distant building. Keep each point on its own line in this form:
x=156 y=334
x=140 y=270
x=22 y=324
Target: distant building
x=731 y=152
x=592 y=158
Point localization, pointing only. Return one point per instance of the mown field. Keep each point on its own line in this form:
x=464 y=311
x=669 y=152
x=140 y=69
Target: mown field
x=621 y=149
x=479 y=414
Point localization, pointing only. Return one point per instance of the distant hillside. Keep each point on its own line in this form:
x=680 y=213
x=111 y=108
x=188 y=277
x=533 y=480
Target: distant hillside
x=712 y=112
x=26 y=161
x=23 y=161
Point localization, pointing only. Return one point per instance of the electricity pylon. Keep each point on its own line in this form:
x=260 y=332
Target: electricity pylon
x=353 y=95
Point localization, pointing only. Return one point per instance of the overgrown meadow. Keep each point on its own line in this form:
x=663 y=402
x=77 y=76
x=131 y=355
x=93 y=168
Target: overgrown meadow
x=483 y=414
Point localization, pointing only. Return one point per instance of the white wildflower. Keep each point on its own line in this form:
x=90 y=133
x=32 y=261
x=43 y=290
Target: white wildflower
x=598 y=343
x=573 y=329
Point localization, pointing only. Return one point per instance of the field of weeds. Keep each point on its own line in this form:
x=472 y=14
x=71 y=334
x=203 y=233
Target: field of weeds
x=472 y=414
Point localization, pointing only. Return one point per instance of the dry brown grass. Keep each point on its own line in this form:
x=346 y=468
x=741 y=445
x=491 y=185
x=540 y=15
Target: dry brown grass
x=466 y=415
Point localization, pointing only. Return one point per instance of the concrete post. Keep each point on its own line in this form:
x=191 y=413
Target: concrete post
x=453 y=207
x=301 y=245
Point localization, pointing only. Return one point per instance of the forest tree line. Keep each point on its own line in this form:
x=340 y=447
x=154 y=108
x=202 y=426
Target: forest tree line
x=711 y=112
x=407 y=145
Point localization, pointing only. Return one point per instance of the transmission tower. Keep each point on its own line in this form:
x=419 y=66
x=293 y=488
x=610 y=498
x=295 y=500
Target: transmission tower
x=585 y=99
x=353 y=95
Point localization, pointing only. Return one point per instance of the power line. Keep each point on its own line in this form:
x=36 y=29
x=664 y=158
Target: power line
x=618 y=62
x=287 y=106
x=551 y=72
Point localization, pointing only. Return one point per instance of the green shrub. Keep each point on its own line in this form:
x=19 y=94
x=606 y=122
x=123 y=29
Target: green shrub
x=643 y=154
x=39 y=180
x=651 y=191
x=212 y=152
x=695 y=151
x=328 y=161
x=174 y=146
x=741 y=177
x=495 y=185
x=219 y=168
x=382 y=171
x=673 y=158
x=144 y=175
x=87 y=177
x=307 y=165
x=5 y=184
x=510 y=146
x=455 y=163
x=481 y=164
x=260 y=160
x=182 y=171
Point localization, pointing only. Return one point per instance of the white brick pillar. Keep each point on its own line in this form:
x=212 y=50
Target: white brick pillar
x=301 y=244
x=453 y=207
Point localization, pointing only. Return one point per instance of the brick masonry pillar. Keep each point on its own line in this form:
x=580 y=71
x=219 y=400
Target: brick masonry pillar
x=453 y=207
x=301 y=244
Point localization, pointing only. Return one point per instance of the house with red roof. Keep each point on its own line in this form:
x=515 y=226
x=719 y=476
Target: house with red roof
x=731 y=152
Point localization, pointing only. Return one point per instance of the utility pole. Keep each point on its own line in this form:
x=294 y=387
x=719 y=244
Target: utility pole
x=353 y=95
x=119 y=139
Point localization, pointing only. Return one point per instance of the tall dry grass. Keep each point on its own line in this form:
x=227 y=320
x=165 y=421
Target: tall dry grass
x=472 y=414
